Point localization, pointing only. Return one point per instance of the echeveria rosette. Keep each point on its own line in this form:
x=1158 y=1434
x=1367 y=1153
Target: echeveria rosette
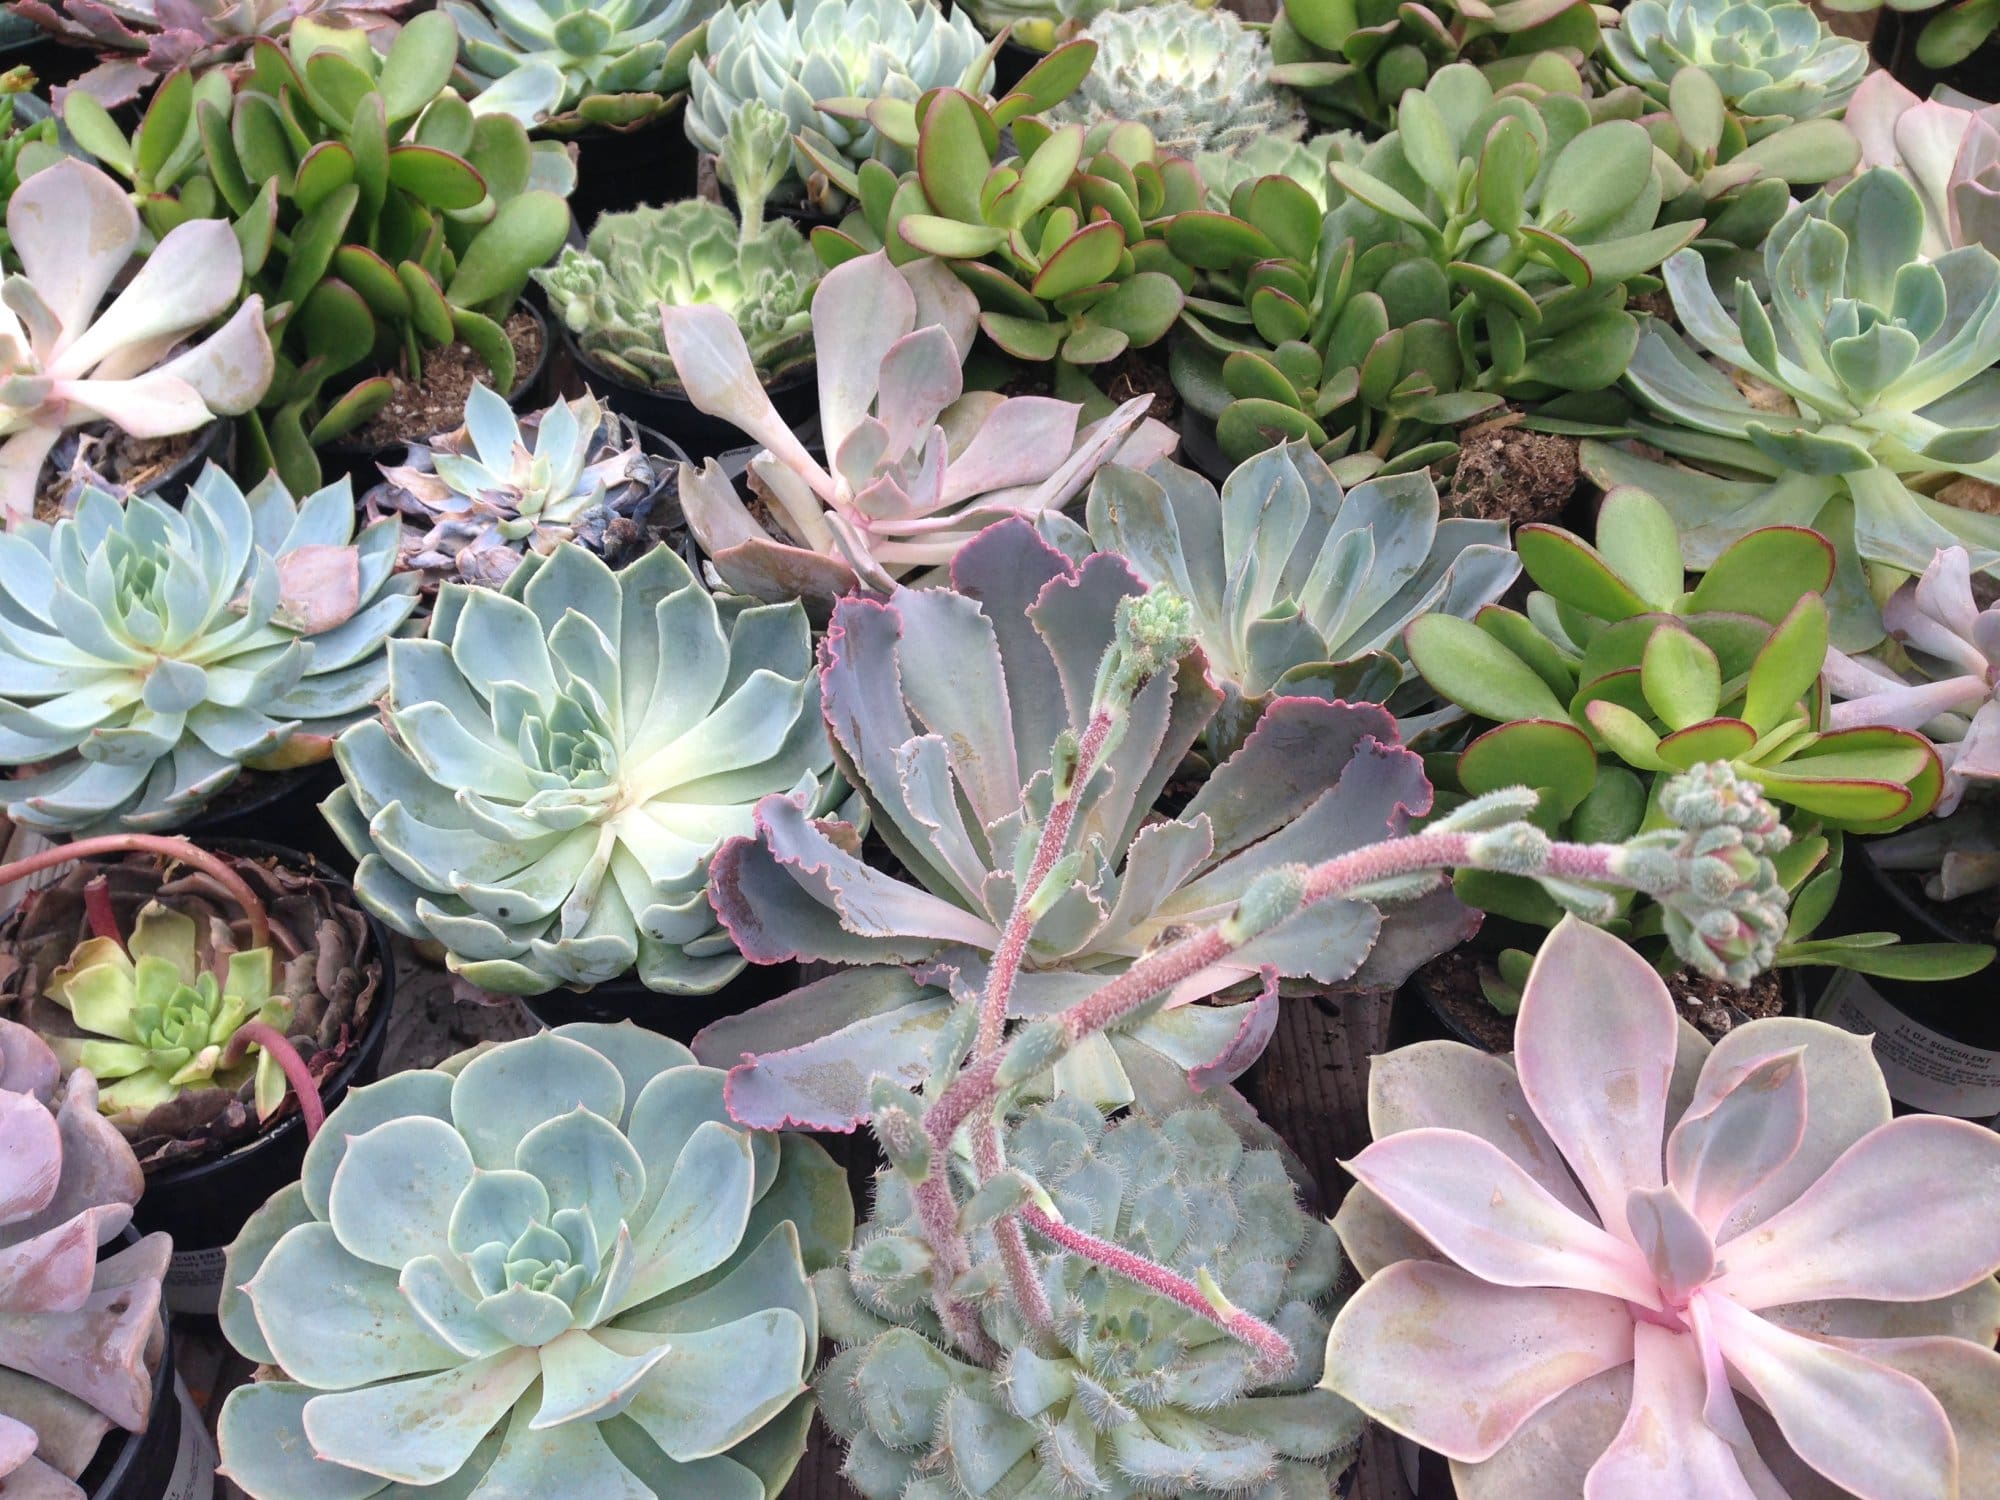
x=552 y=1267
x=80 y=1337
x=1132 y=1394
x=1775 y=61
x=156 y=1022
x=1878 y=387
x=149 y=653
x=621 y=62
x=1951 y=154
x=64 y=362
x=945 y=707
x=559 y=758
x=1297 y=588
x=1945 y=680
x=1630 y=1265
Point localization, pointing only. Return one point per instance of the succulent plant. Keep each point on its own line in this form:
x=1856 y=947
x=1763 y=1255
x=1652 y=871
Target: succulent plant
x=1860 y=383
x=955 y=713
x=1295 y=587
x=1683 y=1284
x=1951 y=32
x=1193 y=76
x=558 y=760
x=1043 y=25
x=1956 y=857
x=761 y=273
x=1304 y=162
x=382 y=213
x=26 y=128
x=793 y=57
x=1058 y=241
x=63 y=362
x=552 y=1268
x=1950 y=154
x=320 y=992
x=622 y=63
x=150 y=653
x=474 y=501
x=1941 y=677
x=142 y=41
x=1351 y=61
x=918 y=466
x=1132 y=1394
x=80 y=1337
x=1775 y=61
x=1471 y=257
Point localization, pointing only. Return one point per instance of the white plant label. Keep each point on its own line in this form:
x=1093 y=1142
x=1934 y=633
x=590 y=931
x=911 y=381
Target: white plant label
x=194 y=1465
x=1924 y=1069
x=193 y=1282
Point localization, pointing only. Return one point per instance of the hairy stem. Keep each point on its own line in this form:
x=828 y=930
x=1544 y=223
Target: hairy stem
x=180 y=850
x=280 y=1046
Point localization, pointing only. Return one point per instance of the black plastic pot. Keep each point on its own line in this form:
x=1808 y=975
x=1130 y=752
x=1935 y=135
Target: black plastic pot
x=279 y=808
x=215 y=443
x=621 y=169
x=1199 y=449
x=795 y=395
x=360 y=462
x=676 y=1016
x=1938 y=1041
x=1894 y=46
x=204 y=1203
x=156 y=1464
x=1012 y=65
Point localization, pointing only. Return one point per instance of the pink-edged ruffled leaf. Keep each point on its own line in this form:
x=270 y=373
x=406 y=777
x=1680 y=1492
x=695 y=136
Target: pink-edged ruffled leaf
x=859 y=312
x=1374 y=1238
x=1845 y=1099
x=1965 y=1379
x=1673 y=1241
x=1665 y=1451
x=147 y=406
x=1594 y=1045
x=319 y=586
x=1459 y=1365
x=1023 y=439
x=30 y=1157
x=74 y=230
x=1216 y=1043
x=1898 y=1218
x=1553 y=1450
x=716 y=372
x=230 y=369
x=1718 y=1156
x=1456 y=1087
x=1481 y=1209
x=1412 y=934
x=1868 y=1428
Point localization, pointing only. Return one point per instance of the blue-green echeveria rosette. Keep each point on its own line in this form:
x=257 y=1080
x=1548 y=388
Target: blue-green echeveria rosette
x=558 y=761
x=551 y=1267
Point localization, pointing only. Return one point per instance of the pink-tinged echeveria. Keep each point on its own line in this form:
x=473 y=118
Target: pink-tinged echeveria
x=1951 y=154
x=1947 y=679
x=1630 y=1267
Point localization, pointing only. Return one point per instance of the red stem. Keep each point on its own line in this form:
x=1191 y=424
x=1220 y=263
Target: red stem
x=97 y=907
x=177 y=849
x=297 y=1074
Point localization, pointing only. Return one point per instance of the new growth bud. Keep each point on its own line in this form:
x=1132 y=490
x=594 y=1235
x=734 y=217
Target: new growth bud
x=1272 y=897
x=1154 y=630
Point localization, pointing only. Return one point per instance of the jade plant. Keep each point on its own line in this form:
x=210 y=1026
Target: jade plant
x=381 y=215
x=1352 y=61
x=1774 y=61
x=1950 y=152
x=1624 y=1263
x=1852 y=394
x=796 y=58
x=552 y=1267
x=1057 y=239
x=1296 y=587
x=148 y=653
x=474 y=501
x=759 y=271
x=1108 y=1387
x=1478 y=254
x=1193 y=76
x=557 y=760
x=621 y=64
x=66 y=362
x=204 y=987
x=27 y=130
x=139 y=42
x=82 y=1336
x=917 y=467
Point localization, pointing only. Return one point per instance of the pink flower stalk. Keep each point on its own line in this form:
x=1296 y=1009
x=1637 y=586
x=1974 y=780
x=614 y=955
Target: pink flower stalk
x=1629 y=1267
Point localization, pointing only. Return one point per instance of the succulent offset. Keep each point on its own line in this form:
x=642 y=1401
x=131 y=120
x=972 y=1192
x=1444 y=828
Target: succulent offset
x=1687 y=1283
x=1297 y=588
x=558 y=760
x=474 y=501
x=796 y=57
x=64 y=362
x=149 y=653
x=554 y=1268
x=1863 y=375
x=916 y=466
x=80 y=1337
x=954 y=712
x=1133 y=1395
x=622 y=63
x=1193 y=76
x=1950 y=154
x=1774 y=60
